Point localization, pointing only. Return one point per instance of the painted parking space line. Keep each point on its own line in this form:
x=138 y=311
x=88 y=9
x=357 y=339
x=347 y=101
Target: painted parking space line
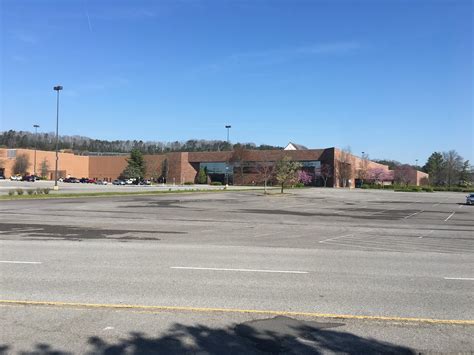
x=460 y=278
x=157 y=309
x=452 y=214
x=413 y=214
x=19 y=262
x=436 y=204
x=238 y=270
x=334 y=238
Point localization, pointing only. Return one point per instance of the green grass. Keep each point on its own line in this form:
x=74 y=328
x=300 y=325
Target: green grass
x=114 y=193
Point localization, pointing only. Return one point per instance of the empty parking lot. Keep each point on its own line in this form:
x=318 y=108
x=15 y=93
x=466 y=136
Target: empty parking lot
x=356 y=257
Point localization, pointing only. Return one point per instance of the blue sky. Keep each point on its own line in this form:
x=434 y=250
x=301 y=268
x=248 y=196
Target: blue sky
x=391 y=78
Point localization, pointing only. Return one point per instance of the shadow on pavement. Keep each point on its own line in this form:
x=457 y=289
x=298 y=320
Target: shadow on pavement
x=280 y=335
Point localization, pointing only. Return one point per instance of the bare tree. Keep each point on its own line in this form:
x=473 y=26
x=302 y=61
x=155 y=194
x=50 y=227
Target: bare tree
x=325 y=173
x=265 y=170
x=453 y=165
x=344 y=166
x=363 y=170
x=402 y=174
x=44 y=168
x=238 y=159
x=286 y=171
x=22 y=162
x=165 y=171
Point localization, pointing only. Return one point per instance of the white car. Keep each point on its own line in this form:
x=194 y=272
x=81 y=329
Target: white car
x=129 y=181
x=16 y=178
x=101 y=182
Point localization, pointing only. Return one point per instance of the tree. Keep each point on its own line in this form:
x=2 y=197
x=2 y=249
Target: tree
x=402 y=174
x=344 y=166
x=378 y=175
x=304 y=177
x=435 y=168
x=452 y=167
x=44 y=168
x=22 y=162
x=202 y=177
x=362 y=173
x=465 y=174
x=325 y=173
x=238 y=159
x=136 y=166
x=286 y=171
x=265 y=170
x=165 y=171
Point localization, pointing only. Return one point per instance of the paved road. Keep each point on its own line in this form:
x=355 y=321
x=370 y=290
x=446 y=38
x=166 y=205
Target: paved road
x=317 y=251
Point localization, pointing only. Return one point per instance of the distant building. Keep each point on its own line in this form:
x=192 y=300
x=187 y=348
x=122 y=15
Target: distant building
x=294 y=146
x=222 y=166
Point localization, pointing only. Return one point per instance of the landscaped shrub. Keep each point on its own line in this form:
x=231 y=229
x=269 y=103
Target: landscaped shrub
x=11 y=192
x=427 y=188
x=39 y=191
x=189 y=183
x=415 y=188
x=216 y=183
x=19 y=191
x=365 y=186
x=298 y=185
x=46 y=190
x=30 y=191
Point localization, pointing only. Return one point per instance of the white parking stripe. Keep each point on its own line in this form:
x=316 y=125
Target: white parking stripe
x=240 y=270
x=329 y=239
x=452 y=214
x=19 y=262
x=460 y=278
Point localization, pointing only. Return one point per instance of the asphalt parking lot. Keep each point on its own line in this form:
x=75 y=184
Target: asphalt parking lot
x=376 y=270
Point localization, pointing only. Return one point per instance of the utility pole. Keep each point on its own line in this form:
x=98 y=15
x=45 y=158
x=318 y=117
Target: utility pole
x=57 y=88
x=36 y=144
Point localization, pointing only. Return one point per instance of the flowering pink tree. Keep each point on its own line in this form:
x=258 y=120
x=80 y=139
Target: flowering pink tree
x=379 y=175
x=304 y=177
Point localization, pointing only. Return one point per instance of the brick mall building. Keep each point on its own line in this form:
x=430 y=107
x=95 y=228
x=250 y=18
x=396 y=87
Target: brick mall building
x=181 y=167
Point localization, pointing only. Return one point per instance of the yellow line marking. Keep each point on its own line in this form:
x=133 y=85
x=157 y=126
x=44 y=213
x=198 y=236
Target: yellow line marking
x=154 y=309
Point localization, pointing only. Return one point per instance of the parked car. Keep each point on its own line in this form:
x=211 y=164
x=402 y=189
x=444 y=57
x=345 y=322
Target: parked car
x=83 y=180
x=118 y=182
x=30 y=178
x=470 y=199
x=101 y=182
x=129 y=181
x=91 y=181
x=16 y=178
x=2 y=177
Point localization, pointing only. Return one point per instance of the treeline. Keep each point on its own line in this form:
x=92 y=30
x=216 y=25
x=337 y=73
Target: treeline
x=85 y=145
x=445 y=168
x=448 y=169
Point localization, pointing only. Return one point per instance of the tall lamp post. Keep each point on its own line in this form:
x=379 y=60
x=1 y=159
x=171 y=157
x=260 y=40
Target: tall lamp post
x=228 y=127
x=57 y=88
x=36 y=144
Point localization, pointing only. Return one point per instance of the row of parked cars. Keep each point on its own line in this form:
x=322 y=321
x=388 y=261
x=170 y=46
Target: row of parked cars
x=74 y=180
x=29 y=178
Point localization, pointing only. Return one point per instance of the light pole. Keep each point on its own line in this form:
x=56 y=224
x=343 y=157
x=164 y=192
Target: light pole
x=228 y=128
x=227 y=165
x=57 y=88
x=36 y=144
x=416 y=164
